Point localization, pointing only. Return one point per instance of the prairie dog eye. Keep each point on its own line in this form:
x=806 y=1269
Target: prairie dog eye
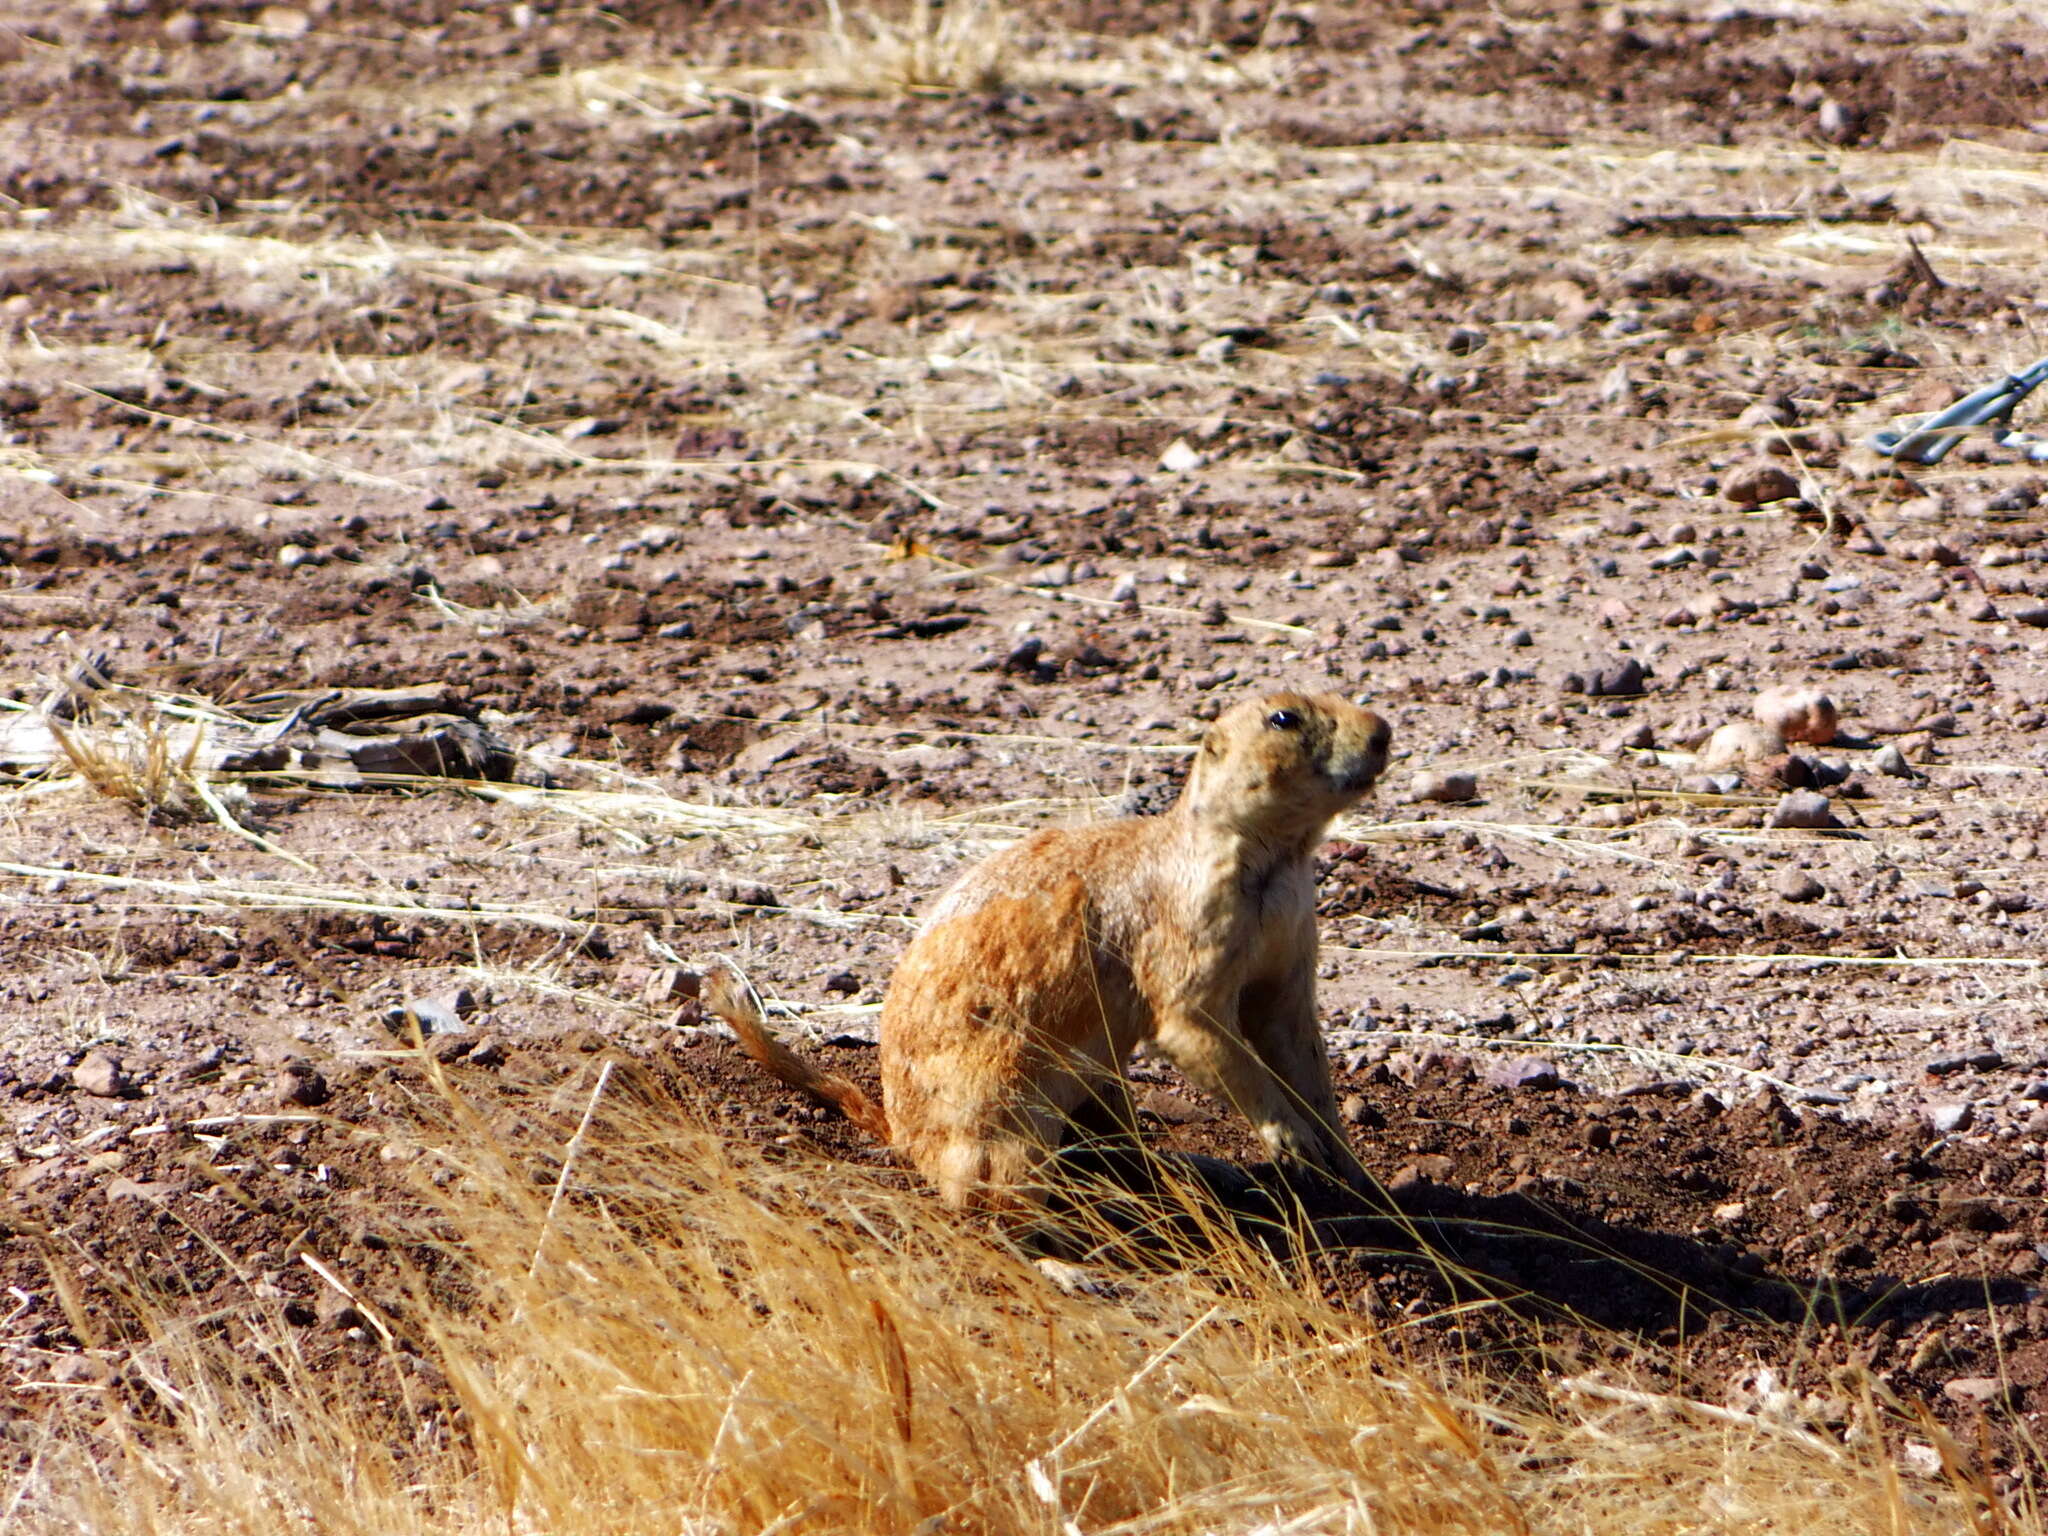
x=1284 y=720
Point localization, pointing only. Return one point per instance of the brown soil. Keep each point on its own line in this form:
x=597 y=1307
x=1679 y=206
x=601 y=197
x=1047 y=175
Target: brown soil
x=597 y=359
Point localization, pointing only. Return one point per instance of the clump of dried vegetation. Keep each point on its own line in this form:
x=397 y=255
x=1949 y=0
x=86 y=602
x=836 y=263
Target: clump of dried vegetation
x=927 y=46
x=142 y=760
x=665 y=1332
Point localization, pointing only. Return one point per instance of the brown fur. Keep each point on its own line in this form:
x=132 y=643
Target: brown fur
x=1013 y=1010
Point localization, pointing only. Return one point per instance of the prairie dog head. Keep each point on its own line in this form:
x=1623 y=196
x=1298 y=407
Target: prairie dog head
x=1283 y=764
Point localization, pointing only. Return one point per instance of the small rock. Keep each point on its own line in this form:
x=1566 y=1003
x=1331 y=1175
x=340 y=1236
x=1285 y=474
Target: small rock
x=1450 y=786
x=1528 y=1072
x=206 y=1064
x=1758 y=484
x=1920 y=1458
x=1172 y=1109
x=284 y=20
x=1616 y=389
x=334 y=1310
x=1057 y=574
x=1890 y=761
x=1797 y=885
x=1464 y=340
x=1730 y=1212
x=1976 y=1391
x=1216 y=351
x=1356 y=1111
x=299 y=1085
x=1798 y=714
x=1968 y=1213
x=1423 y=1171
x=1738 y=744
x=2034 y=616
x=142 y=1189
x=1777 y=411
x=1803 y=808
x=1640 y=737
x=436 y=1015
x=1711 y=783
x=1180 y=458
x=1611 y=677
x=104 y=1076
x=1788 y=771
x=1838 y=123
x=1948 y=1119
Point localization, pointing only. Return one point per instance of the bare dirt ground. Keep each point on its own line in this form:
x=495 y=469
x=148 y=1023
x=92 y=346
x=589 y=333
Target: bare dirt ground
x=809 y=490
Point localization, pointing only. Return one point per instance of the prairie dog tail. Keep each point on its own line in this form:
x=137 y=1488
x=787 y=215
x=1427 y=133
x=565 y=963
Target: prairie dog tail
x=729 y=998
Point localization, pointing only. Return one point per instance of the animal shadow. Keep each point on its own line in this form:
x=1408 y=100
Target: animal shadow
x=1537 y=1255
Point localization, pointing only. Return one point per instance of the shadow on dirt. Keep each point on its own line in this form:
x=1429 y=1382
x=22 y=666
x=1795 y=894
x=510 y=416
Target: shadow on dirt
x=1538 y=1256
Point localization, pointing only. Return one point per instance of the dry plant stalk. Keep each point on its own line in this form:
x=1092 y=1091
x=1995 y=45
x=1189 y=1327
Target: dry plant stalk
x=141 y=764
x=721 y=1343
x=934 y=47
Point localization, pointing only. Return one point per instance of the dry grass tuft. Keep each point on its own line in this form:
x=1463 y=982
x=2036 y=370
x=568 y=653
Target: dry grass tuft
x=932 y=47
x=663 y=1332
x=144 y=761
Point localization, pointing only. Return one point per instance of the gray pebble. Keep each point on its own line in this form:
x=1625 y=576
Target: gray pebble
x=1975 y=1391
x=1804 y=809
x=1798 y=885
x=1947 y=1119
x=1450 y=786
x=104 y=1076
x=1531 y=1072
x=434 y=1015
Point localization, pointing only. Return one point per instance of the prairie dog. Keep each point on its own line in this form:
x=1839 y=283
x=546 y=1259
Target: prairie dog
x=1011 y=1014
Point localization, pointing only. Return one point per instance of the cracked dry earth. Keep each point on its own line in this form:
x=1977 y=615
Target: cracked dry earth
x=813 y=490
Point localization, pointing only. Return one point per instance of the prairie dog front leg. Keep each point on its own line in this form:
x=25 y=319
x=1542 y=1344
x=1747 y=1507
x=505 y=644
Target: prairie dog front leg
x=1210 y=1049
x=1278 y=1020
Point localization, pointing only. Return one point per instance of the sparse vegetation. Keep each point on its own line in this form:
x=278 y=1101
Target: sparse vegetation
x=919 y=47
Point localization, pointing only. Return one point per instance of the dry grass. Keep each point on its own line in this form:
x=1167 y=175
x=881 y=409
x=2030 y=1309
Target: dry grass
x=142 y=762
x=673 y=1335
x=925 y=47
